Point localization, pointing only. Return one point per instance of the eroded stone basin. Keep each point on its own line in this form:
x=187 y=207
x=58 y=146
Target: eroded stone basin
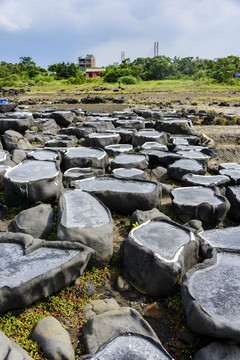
x=131 y=346
x=233 y=174
x=163 y=238
x=43 y=155
x=130 y=173
x=83 y=218
x=85 y=157
x=16 y=267
x=227 y=238
x=130 y=160
x=198 y=202
x=185 y=166
x=212 y=293
x=32 y=170
x=123 y=195
x=205 y=180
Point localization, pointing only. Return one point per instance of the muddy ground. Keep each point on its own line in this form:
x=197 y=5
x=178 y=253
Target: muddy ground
x=168 y=323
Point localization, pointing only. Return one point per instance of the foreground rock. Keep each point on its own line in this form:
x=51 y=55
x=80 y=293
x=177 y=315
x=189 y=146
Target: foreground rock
x=36 y=221
x=210 y=294
x=85 y=157
x=156 y=255
x=122 y=195
x=9 y=350
x=31 y=269
x=53 y=339
x=101 y=328
x=202 y=203
x=83 y=218
x=32 y=181
x=130 y=346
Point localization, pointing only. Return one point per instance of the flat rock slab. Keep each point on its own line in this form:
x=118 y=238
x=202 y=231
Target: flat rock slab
x=132 y=173
x=185 y=166
x=83 y=218
x=80 y=173
x=136 y=124
x=218 y=351
x=32 y=181
x=233 y=196
x=176 y=126
x=102 y=139
x=31 y=269
x=233 y=174
x=130 y=346
x=220 y=239
x=153 y=145
x=202 y=203
x=63 y=118
x=228 y=166
x=130 y=161
x=114 y=150
x=85 y=157
x=205 y=180
x=123 y=195
x=162 y=158
x=17 y=124
x=194 y=155
x=159 y=249
x=101 y=328
x=99 y=126
x=44 y=155
x=143 y=136
x=125 y=134
x=210 y=294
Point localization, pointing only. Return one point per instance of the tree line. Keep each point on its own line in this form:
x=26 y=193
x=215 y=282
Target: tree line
x=222 y=70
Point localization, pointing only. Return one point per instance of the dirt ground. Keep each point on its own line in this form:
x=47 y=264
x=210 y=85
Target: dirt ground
x=156 y=311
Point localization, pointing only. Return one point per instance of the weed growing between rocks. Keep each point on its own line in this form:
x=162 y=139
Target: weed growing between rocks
x=66 y=306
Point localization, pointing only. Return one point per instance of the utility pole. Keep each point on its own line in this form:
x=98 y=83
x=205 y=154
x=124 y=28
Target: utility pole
x=156 y=47
x=122 y=56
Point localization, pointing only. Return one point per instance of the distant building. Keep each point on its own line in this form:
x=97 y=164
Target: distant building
x=93 y=73
x=86 y=62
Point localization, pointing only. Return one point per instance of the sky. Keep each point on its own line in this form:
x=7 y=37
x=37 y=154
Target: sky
x=53 y=31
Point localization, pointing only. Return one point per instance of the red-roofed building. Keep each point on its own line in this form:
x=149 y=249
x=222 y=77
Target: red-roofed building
x=93 y=73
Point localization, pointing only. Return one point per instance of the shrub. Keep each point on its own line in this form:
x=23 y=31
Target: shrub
x=127 y=80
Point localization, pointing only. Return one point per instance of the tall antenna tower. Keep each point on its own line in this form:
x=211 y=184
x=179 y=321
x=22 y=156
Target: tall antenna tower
x=122 y=56
x=156 y=47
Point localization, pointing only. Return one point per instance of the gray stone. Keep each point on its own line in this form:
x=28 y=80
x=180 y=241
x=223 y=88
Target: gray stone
x=32 y=181
x=220 y=239
x=85 y=157
x=136 y=124
x=91 y=224
x=102 y=140
x=137 y=161
x=233 y=196
x=162 y=158
x=130 y=346
x=185 y=166
x=63 y=118
x=80 y=173
x=44 y=155
x=210 y=294
x=233 y=174
x=141 y=217
x=125 y=134
x=114 y=150
x=205 y=180
x=16 y=124
x=3 y=169
x=18 y=156
x=132 y=173
x=143 y=136
x=218 y=351
x=78 y=131
x=31 y=269
x=201 y=203
x=97 y=307
x=36 y=221
x=123 y=195
x=99 y=126
x=156 y=255
x=153 y=145
x=53 y=339
x=46 y=125
x=61 y=141
x=194 y=225
x=159 y=173
x=14 y=140
x=194 y=155
x=179 y=126
x=101 y=328
x=229 y=166
x=11 y=350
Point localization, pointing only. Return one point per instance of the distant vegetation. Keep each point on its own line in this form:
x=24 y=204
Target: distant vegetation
x=161 y=67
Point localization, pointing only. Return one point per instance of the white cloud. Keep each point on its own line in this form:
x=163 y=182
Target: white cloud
x=12 y=17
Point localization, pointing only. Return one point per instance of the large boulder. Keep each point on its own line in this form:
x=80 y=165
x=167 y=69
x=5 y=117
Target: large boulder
x=11 y=350
x=32 y=269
